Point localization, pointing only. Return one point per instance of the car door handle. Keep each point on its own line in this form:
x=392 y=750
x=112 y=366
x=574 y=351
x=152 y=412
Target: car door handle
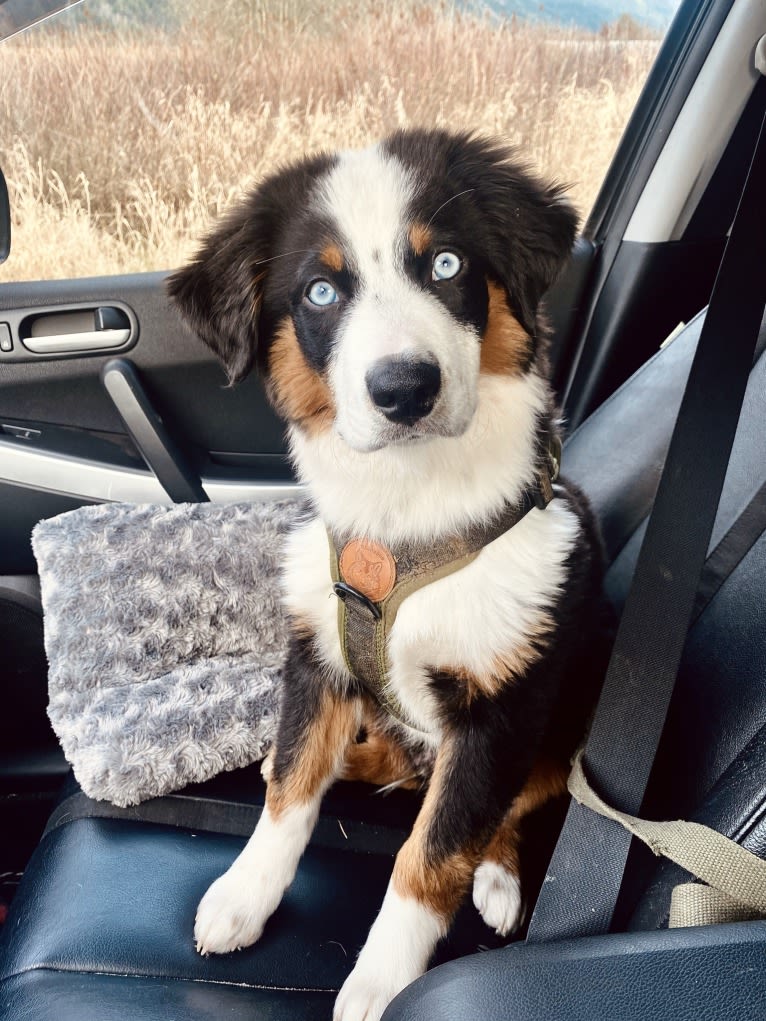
x=150 y=434
x=97 y=329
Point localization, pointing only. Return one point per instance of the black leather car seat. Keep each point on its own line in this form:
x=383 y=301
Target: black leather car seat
x=102 y=923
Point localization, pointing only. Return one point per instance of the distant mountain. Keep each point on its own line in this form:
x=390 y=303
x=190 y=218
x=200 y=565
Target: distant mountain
x=587 y=14
x=590 y=14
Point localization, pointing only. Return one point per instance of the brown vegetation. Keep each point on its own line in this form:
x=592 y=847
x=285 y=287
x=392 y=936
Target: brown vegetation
x=120 y=147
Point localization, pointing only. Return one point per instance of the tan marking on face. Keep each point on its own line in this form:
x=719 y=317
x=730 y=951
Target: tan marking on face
x=332 y=257
x=506 y=346
x=324 y=743
x=420 y=238
x=297 y=391
x=439 y=884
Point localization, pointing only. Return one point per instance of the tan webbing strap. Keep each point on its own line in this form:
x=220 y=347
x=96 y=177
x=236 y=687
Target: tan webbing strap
x=737 y=877
x=697 y=904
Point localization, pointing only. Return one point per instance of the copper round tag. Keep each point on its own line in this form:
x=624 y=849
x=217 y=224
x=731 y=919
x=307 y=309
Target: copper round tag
x=369 y=568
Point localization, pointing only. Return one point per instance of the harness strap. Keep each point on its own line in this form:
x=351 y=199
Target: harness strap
x=372 y=581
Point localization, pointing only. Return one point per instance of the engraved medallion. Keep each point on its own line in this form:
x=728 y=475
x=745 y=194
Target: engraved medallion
x=369 y=568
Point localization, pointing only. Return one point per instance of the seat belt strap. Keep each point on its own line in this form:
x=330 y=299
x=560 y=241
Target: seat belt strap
x=732 y=548
x=736 y=878
x=583 y=880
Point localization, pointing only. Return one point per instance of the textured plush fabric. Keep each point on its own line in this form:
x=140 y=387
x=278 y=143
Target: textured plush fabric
x=165 y=638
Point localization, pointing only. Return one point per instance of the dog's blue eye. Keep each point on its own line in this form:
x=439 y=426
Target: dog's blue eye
x=322 y=293
x=446 y=266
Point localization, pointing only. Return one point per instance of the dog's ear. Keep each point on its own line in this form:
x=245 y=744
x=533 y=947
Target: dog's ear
x=526 y=226
x=220 y=291
x=531 y=225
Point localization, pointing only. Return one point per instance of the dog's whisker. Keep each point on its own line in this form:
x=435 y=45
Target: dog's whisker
x=283 y=255
x=340 y=457
x=395 y=784
x=467 y=191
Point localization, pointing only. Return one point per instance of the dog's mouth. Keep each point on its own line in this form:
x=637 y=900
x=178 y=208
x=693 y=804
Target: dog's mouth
x=437 y=425
x=412 y=439
x=387 y=438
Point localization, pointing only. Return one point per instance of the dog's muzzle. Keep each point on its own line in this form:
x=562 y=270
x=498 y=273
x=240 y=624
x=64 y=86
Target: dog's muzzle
x=404 y=389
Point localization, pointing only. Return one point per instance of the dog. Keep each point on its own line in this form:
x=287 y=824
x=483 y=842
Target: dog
x=442 y=592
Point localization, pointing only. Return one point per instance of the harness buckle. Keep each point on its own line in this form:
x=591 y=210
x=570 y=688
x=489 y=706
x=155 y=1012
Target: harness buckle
x=343 y=591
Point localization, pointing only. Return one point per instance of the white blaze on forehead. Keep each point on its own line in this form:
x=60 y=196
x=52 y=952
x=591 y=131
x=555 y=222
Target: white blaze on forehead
x=367 y=195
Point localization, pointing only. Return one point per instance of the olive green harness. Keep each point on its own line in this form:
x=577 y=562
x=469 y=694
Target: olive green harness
x=372 y=581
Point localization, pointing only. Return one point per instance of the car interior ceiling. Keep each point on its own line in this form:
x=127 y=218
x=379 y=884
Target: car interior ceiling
x=103 y=917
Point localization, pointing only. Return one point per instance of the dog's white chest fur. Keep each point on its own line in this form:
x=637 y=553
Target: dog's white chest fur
x=470 y=621
x=477 y=620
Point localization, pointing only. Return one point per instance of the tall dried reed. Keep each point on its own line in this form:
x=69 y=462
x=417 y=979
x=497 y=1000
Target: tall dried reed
x=120 y=147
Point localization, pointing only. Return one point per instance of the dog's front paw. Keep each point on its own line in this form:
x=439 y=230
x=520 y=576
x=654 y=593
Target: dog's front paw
x=368 y=991
x=497 y=897
x=232 y=913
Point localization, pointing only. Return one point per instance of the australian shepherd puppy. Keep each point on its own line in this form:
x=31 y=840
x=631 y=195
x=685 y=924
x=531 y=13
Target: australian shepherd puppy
x=391 y=299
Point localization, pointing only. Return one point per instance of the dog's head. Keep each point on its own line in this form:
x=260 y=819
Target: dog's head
x=373 y=288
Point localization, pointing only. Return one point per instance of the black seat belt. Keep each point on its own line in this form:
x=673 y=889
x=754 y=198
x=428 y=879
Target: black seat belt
x=732 y=548
x=583 y=881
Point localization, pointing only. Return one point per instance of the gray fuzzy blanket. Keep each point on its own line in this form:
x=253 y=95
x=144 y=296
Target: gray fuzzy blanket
x=165 y=638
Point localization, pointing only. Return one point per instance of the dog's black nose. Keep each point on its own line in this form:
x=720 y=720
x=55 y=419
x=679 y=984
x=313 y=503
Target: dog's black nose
x=404 y=389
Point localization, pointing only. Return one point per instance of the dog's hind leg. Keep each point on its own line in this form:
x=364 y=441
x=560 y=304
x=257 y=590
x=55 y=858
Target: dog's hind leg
x=497 y=882
x=497 y=892
x=317 y=724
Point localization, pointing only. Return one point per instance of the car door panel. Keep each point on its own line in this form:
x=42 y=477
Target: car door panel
x=183 y=377
x=63 y=441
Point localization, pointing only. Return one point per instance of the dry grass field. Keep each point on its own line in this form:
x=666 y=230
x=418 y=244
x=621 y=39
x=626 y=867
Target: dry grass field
x=119 y=147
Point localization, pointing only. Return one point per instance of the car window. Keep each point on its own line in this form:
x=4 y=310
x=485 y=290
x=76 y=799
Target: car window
x=126 y=126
